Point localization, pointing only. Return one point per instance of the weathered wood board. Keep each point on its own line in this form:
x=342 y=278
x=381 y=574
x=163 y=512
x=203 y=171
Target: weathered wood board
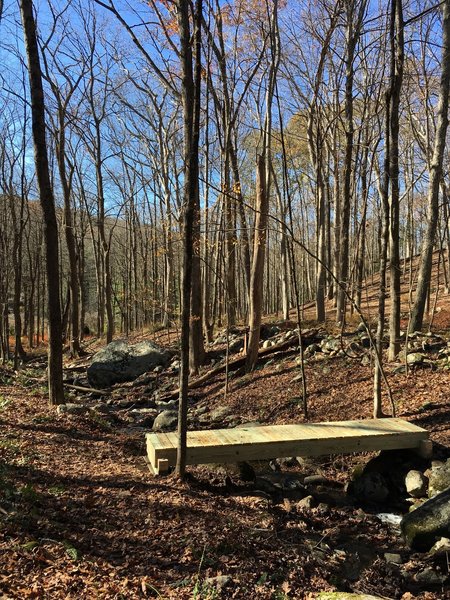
x=276 y=441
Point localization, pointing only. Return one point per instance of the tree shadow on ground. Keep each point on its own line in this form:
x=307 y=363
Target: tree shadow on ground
x=63 y=430
x=99 y=520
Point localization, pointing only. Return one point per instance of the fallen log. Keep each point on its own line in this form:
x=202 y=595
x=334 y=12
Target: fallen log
x=82 y=367
x=87 y=390
x=239 y=361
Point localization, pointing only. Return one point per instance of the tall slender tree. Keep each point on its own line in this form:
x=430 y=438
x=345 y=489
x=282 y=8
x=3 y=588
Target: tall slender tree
x=424 y=276
x=47 y=200
x=396 y=37
x=190 y=94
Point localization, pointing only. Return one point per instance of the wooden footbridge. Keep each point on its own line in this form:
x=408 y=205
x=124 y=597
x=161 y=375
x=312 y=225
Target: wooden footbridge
x=276 y=441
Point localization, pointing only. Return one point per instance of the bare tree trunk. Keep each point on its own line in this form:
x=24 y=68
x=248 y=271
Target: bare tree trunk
x=55 y=355
x=284 y=256
x=321 y=244
x=196 y=345
x=337 y=217
x=424 y=276
x=397 y=59
x=383 y=189
x=74 y=342
x=18 y=226
x=243 y=220
x=355 y=15
x=256 y=280
x=190 y=94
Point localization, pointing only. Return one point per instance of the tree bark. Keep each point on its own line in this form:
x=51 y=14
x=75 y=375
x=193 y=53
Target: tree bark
x=354 y=25
x=190 y=93
x=74 y=342
x=424 y=276
x=55 y=354
x=397 y=59
x=256 y=280
x=196 y=345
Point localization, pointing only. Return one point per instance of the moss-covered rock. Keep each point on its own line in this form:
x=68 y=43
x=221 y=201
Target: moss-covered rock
x=439 y=479
x=428 y=523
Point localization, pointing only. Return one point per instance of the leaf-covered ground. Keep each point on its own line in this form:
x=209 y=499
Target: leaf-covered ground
x=82 y=517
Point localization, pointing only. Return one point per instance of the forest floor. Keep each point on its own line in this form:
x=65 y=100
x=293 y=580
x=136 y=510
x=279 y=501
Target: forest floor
x=81 y=517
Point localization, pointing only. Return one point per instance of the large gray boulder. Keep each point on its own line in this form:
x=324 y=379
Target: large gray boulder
x=425 y=525
x=120 y=362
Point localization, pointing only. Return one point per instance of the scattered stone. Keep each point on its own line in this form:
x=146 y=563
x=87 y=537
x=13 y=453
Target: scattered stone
x=394 y=558
x=309 y=464
x=268 y=331
x=365 y=361
x=102 y=408
x=263 y=484
x=311 y=350
x=414 y=359
x=140 y=412
x=430 y=578
x=436 y=464
x=355 y=347
x=390 y=519
x=330 y=344
x=307 y=502
x=218 y=582
x=441 y=546
x=315 y=480
x=166 y=420
x=345 y=596
x=120 y=362
x=416 y=503
x=393 y=465
x=423 y=527
x=72 y=409
x=288 y=461
x=365 y=341
x=143 y=417
x=274 y=465
x=145 y=379
x=292 y=482
x=81 y=381
x=298 y=377
x=246 y=471
x=170 y=405
x=218 y=413
x=439 y=478
x=416 y=484
x=370 y=487
x=236 y=345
